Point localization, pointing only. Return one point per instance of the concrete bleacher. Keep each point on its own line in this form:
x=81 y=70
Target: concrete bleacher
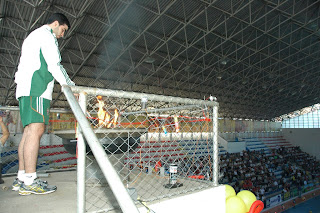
x=50 y=157
x=265 y=143
x=155 y=151
x=154 y=148
x=255 y=144
x=150 y=149
x=275 y=142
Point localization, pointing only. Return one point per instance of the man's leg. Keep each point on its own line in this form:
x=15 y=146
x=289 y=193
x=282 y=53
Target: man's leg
x=25 y=115
x=31 y=146
x=20 y=148
x=28 y=152
x=34 y=116
x=20 y=177
x=34 y=113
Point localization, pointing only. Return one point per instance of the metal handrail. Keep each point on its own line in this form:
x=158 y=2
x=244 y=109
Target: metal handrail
x=136 y=95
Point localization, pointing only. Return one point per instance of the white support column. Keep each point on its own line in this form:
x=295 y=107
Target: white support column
x=215 y=146
x=81 y=162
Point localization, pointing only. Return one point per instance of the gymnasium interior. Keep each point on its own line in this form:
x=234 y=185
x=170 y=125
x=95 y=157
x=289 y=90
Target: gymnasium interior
x=174 y=100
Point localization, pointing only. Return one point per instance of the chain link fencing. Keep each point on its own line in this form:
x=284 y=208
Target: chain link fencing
x=160 y=148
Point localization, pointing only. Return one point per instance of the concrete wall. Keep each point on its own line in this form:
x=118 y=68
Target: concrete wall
x=307 y=139
x=234 y=147
x=223 y=142
x=232 y=136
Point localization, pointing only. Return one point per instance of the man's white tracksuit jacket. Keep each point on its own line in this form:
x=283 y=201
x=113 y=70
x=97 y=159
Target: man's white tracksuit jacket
x=40 y=65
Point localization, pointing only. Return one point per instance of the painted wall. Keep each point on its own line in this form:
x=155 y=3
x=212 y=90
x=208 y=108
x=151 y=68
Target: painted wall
x=234 y=147
x=227 y=125
x=307 y=139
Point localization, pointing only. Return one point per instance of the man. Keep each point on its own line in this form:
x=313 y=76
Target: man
x=39 y=66
x=3 y=139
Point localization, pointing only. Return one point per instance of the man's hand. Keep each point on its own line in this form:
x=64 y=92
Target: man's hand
x=76 y=95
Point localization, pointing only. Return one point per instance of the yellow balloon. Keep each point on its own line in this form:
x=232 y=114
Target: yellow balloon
x=247 y=197
x=229 y=191
x=235 y=204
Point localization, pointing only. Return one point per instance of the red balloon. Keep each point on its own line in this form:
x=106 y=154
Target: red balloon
x=256 y=207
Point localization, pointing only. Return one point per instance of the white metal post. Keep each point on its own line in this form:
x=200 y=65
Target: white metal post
x=81 y=162
x=215 y=146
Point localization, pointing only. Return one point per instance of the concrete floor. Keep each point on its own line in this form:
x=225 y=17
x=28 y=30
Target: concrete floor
x=64 y=200
x=99 y=197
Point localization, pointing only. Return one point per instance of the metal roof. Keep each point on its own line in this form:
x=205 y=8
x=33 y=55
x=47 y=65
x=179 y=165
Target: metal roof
x=260 y=58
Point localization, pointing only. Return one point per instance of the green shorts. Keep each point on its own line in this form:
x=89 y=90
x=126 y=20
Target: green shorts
x=34 y=110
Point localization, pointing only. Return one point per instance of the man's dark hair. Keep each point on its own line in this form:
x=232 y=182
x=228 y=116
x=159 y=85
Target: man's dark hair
x=62 y=19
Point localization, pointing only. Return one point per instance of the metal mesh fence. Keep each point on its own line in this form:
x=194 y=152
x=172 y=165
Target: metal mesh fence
x=159 y=149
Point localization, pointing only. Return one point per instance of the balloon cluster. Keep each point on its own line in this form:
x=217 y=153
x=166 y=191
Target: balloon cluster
x=243 y=202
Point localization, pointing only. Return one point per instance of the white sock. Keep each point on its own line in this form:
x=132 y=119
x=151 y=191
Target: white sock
x=29 y=178
x=21 y=175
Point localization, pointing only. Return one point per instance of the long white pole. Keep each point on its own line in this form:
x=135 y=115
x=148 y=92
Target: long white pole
x=81 y=162
x=215 y=146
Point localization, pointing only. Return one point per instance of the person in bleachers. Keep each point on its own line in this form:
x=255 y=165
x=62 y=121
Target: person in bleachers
x=3 y=139
x=284 y=169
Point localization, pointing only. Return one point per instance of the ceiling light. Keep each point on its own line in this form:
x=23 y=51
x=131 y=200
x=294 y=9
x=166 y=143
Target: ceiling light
x=264 y=86
x=223 y=61
x=149 y=60
x=188 y=68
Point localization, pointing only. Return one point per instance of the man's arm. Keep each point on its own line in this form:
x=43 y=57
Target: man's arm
x=5 y=132
x=51 y=54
